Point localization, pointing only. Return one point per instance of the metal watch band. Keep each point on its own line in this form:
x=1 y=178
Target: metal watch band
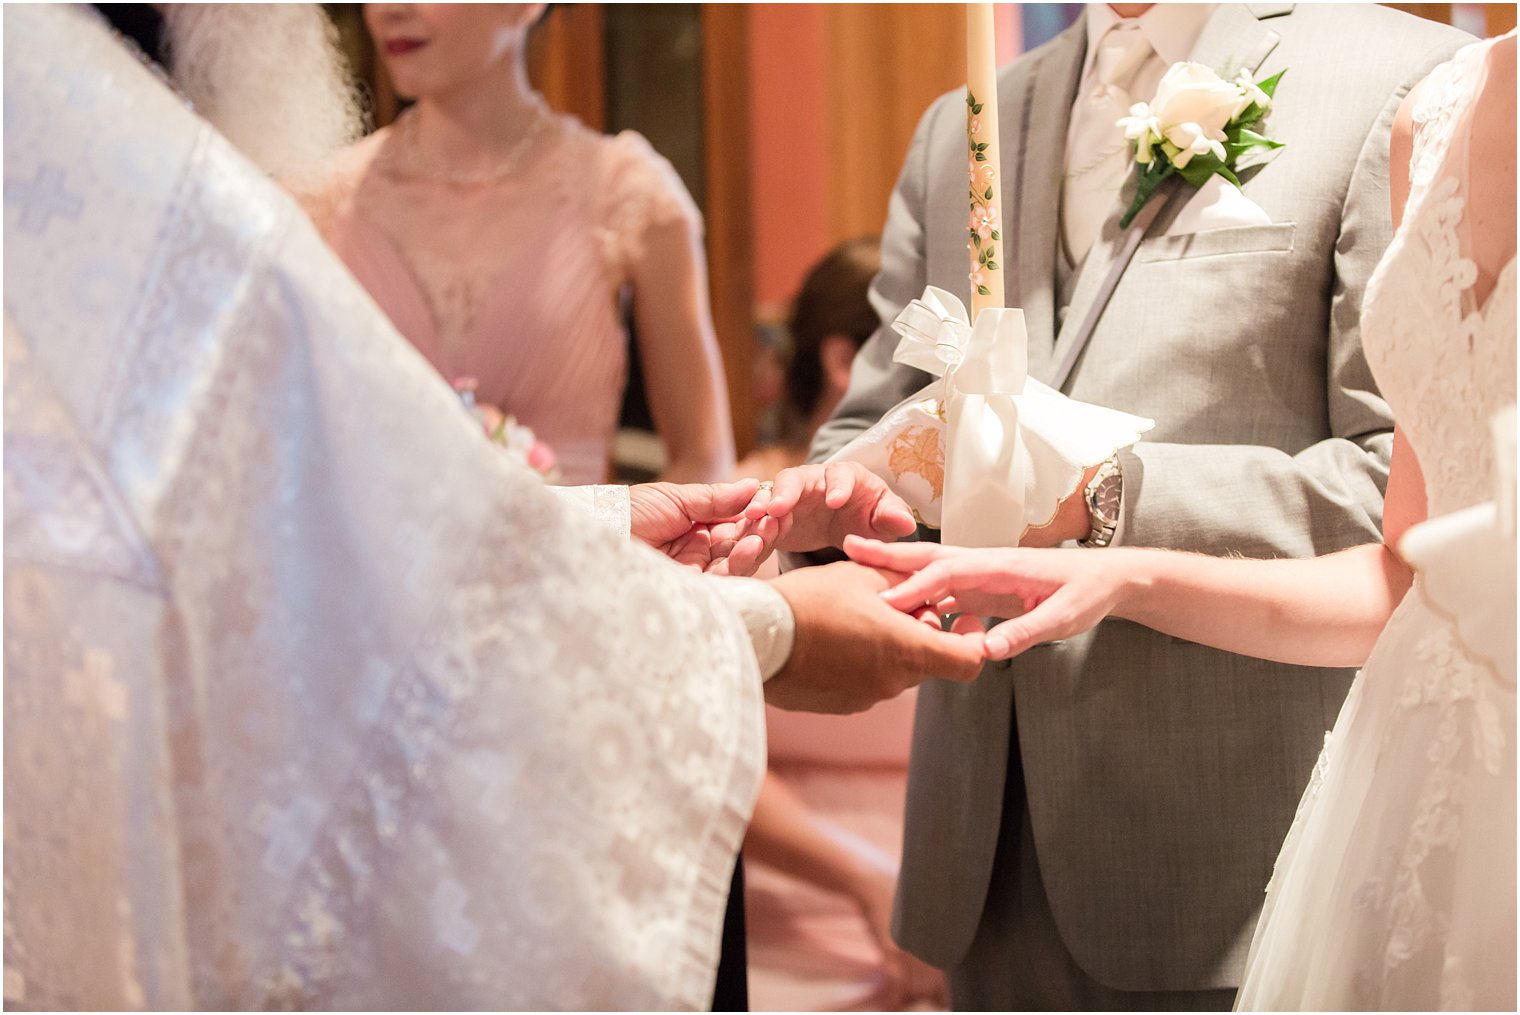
x=1102 y=495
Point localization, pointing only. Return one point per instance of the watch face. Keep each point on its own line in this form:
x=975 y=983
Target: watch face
x=1105 y=499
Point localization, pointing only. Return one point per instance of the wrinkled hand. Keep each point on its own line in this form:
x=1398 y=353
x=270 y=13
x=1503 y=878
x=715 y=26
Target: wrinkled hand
x=1050 y=594
x=813 y=506
x=852 y=649
x=697 y=524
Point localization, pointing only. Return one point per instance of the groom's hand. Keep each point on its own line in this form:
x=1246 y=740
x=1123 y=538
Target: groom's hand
x=697 y=524
x=852 y=650
x=815 y=506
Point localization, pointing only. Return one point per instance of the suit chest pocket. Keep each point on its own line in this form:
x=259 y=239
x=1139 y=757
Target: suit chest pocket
x=1268 y=239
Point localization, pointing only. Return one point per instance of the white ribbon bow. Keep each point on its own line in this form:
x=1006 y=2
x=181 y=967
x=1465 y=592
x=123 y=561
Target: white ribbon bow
x=937 y=338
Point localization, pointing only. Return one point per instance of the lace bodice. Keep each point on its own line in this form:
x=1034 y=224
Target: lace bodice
x=1444 y=361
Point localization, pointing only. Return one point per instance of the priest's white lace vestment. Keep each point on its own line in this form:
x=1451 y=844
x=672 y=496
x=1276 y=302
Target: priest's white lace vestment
x=311 y=698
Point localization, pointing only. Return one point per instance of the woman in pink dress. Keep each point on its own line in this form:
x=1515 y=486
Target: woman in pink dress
x=509 y=244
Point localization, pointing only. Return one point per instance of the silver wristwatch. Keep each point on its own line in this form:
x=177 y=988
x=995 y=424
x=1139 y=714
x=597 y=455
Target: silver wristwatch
x=1103 y=494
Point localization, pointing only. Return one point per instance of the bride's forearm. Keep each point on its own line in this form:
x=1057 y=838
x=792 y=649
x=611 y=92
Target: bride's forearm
x=1327 y=611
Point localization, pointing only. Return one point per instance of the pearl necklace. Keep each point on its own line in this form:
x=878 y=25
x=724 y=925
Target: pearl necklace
x=419 y=164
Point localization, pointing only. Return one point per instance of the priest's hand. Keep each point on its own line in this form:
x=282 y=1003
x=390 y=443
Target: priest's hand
x=852 y=650
x=698 y=524
x=815 y=506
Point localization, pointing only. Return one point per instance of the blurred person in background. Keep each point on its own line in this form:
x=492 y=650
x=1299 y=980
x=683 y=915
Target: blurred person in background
x=511 y=245
x=831 y=319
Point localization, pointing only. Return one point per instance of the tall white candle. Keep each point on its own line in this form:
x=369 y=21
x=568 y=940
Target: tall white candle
x=985 y=229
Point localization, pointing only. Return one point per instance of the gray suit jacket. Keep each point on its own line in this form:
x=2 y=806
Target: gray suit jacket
x=1160 y=775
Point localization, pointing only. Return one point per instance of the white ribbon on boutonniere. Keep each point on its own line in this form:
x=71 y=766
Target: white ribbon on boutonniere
x=1198 y=126
x=984 y=452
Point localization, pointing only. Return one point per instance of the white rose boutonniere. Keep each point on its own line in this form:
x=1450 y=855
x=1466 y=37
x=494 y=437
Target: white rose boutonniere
x=1198 y=125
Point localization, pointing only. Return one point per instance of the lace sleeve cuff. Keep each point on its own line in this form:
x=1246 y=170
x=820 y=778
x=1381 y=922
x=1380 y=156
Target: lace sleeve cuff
x=608 y=506
x=767 y=617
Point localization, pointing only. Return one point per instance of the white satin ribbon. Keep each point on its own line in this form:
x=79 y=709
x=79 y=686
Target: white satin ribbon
x=985 y=368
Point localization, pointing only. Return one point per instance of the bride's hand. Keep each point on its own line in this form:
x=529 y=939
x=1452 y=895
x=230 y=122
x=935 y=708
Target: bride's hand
x=813 y=506
x=1050 y=594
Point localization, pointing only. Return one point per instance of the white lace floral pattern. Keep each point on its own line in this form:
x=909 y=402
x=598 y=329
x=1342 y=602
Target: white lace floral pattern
x=1423 y=324
x=1468 y=733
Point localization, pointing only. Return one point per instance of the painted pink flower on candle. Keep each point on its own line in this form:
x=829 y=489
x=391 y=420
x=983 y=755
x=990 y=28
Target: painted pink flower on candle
x=984 y=220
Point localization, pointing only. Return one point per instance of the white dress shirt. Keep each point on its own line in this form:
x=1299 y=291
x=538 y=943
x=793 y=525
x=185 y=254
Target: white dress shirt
x=1090 y=190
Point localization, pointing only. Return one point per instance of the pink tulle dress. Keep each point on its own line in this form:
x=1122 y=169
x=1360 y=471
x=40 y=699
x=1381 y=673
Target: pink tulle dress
x=810 y=950
x=518 y=283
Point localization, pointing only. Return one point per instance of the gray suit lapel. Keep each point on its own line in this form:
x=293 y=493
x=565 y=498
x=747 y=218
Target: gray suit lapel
x=1238 y=35
x=1032 y=182
x=1234 y=37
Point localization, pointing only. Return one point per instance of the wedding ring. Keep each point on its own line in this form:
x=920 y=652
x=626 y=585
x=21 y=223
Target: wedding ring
x=767 y=485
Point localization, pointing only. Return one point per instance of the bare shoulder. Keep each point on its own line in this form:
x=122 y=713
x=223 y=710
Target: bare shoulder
x=1499 y=88
x=1491 y=160
x=1494 y=106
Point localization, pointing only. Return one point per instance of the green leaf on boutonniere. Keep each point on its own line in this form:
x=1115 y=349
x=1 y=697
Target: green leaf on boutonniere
x=1270 y=85
x=1201 y=167
x=1250 y=116
x=1148 y=180
x=1242 y=141
x=1250 y=139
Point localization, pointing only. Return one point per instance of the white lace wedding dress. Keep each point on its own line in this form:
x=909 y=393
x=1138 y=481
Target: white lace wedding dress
x=1395 y=887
